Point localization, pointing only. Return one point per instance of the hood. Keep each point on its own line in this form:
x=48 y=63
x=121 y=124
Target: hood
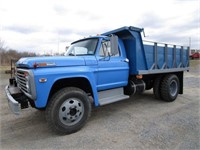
x=58 y=61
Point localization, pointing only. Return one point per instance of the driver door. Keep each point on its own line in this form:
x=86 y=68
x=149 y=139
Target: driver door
x=113 y=71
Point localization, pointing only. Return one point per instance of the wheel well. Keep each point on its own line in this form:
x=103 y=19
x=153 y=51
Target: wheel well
x=151 y=78
x=180 y=77
x=79 y=82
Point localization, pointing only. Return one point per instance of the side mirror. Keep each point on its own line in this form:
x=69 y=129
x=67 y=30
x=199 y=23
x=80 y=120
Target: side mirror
x=114 y=44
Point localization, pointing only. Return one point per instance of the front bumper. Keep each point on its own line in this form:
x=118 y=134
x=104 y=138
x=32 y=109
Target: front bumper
x=13 y=104
x=16 y=99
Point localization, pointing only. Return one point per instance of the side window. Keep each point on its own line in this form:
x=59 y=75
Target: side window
x=105 y=49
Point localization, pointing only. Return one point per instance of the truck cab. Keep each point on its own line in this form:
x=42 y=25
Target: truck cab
x=97 y=70
x=107 y=61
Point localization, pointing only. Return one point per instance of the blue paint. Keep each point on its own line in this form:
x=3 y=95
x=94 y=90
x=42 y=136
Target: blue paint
x=103 y=73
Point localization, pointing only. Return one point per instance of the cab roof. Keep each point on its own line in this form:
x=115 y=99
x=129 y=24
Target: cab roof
x=92 y=37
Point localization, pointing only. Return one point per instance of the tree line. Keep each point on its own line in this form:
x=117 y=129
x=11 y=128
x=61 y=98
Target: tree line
x=7 y=54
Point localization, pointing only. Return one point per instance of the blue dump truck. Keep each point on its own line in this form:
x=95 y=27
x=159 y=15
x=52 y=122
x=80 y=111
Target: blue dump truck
x=97 y=70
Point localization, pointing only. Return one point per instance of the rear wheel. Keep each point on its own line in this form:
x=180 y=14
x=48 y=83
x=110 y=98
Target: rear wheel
x=157 y=87
x=68 y=110
x=149 y=84
x=170 y=87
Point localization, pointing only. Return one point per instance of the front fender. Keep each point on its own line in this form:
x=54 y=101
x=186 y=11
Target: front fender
x=54 y=74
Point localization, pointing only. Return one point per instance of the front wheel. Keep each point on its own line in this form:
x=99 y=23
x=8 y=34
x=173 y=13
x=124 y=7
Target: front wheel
x=68 y=110
x=170 y=87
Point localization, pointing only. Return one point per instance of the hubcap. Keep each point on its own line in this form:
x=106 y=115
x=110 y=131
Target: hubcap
x=173 y=88
x=71 y=111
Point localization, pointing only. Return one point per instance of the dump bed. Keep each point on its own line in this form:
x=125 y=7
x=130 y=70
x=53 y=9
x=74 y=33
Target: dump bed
x=151 y=57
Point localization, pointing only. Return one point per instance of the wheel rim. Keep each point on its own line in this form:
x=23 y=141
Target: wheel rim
x=71 y=111
x=173 y=88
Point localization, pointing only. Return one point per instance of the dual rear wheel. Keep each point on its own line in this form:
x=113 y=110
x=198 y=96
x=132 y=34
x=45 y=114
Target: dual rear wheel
x=166 y=87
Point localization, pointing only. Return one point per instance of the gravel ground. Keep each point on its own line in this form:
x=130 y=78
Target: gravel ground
x=140 y=122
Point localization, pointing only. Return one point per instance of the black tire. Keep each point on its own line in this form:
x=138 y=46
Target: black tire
x=157 y=87
x=68 y=110
x=41 y=109
x=170 y=87
x=149 y=85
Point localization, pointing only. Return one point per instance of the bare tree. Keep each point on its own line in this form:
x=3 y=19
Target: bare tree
x=1 y=50
x=7 y=54
x=1 y=44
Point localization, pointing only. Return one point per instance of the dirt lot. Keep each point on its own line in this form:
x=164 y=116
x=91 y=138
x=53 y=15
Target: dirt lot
x=140 y=122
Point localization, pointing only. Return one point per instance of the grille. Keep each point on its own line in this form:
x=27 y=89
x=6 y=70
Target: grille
x=22 y=81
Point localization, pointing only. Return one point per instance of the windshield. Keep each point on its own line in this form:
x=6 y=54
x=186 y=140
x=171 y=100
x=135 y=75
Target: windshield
x=85 y=47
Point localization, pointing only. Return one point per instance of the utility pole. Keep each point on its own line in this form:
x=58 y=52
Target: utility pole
x=190 y=45
x=58 y=51
x=189 y=41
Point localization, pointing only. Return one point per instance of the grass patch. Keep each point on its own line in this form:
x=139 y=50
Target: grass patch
x=194 y=63
x=3 y=68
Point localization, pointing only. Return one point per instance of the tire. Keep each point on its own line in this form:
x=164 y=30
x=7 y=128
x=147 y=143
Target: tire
x=41 y=109
x=157 y=87
x=149 y=85
x=170 y=87
x=68 y=110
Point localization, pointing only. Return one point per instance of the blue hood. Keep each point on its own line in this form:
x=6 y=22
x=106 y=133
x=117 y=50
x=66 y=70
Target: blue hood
x=57 y=61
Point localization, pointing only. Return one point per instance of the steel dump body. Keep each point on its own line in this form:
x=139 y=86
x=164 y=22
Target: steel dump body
x=151 y=57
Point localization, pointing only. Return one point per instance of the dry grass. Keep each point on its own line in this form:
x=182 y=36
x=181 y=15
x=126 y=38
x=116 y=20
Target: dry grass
x=194 y=63
x=3 y=68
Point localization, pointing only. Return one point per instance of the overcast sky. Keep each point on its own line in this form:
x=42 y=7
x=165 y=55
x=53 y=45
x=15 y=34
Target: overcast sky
x=51 y=25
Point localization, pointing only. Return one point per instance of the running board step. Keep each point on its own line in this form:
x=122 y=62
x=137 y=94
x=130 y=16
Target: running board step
x=111 y=96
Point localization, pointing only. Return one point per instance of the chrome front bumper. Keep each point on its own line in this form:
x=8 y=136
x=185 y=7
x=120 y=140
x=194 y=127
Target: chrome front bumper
x=13 y=104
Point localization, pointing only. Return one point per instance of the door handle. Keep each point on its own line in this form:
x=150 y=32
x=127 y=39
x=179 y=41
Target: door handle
x=126 y=60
